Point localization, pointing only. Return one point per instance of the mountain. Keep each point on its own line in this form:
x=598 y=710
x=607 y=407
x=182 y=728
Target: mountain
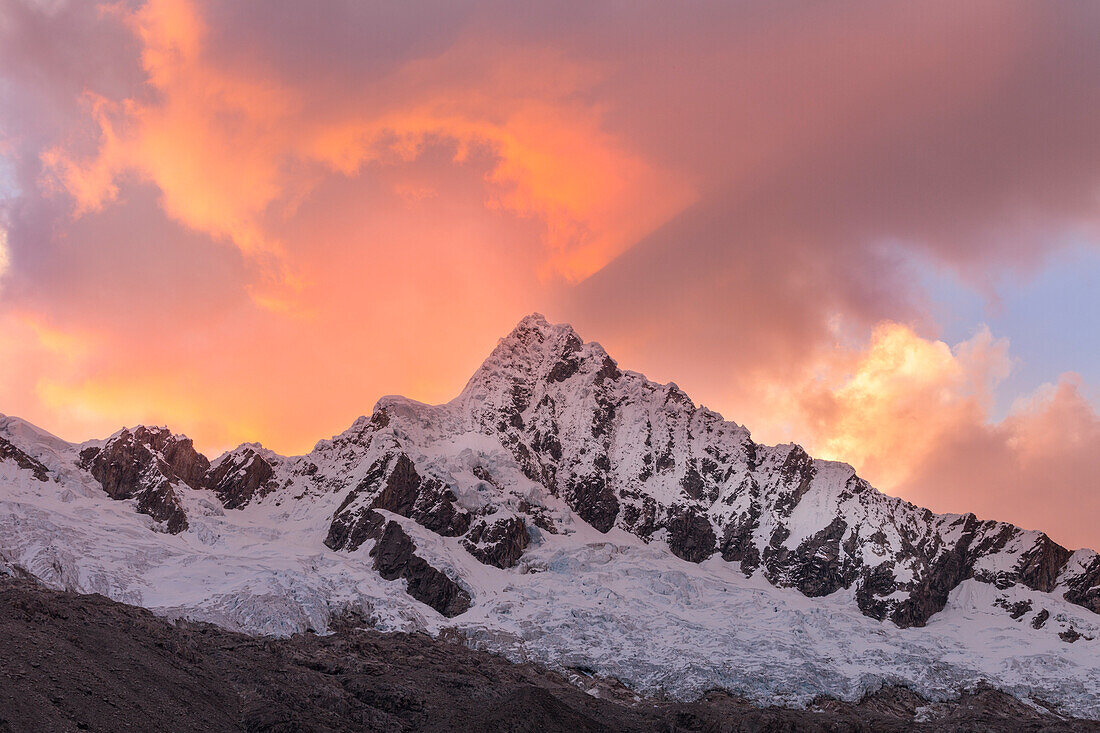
x=565 y=511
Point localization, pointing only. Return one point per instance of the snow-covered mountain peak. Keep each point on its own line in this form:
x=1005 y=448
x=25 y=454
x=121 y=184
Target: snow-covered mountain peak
x=24 y=433
x=535 y=351
x=554 y=482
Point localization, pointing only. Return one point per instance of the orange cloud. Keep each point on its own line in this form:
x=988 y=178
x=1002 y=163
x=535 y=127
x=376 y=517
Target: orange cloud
x=223 y=144
x=913 y=415
x=409 y=302
x=33 y=353
x=203 y=137
x=886 y=408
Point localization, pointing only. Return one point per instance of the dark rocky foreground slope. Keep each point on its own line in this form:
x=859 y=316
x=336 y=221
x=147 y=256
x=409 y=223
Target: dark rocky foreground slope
x=83 y=662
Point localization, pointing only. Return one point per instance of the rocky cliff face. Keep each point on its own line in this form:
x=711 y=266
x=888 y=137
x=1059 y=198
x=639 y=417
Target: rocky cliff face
x=152 y=465
x=149 y=465
x=241 y=475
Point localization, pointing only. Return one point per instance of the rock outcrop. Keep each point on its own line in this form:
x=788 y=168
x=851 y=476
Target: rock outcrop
x=691 y=537
x=497 y=541
x=395 y=557
x=9 y=452
x=149 y=465
x=241 y=476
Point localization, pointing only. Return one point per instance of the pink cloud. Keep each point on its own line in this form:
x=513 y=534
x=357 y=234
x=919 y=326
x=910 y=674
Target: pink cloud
x=914 y=416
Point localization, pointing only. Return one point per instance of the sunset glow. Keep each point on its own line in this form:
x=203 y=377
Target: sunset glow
x=867 y=227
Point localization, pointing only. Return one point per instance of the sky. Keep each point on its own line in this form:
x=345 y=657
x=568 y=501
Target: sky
x=867 y=227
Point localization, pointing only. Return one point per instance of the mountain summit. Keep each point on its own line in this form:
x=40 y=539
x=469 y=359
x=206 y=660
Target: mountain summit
x=556 y=497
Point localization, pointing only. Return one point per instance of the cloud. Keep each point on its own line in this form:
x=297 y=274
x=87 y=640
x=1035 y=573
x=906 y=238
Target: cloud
x=914 y=415
x=5 y=256
x=223 y=144
x=1036 y=468
x=886 y=408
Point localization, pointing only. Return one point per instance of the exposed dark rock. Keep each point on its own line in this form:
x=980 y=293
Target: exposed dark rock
x=737 y=542
x=815 y=567
x=162 y=504
x=146 y=464
x=483 y=473
x=593 y=499
x=540 y=516
x=873 y=584
x=798 y=473
x=603 y=419
x=349 y=530
x=123 y=460
x=401 y=490
x=1070 y=635
x=665 y=460
x=380 y=418
x=120 y=471
x=354 y=522
x=1084 y=589
x=568 y=363
x=639 y=513
x=1039 y=568
x=429 y=501
x=931 y=591
x=991 y=538
x=692 y=484
x=394 y=557
x=397 y=487
x=547 y=443
x=1040 y=619
x=691 y=537
x=8 y=452
x=737 y=536
x=700 y=482
x=240 y=477
x=676 y=396
x=436 y=508
x=647 y=460
x=608 y=370
x=531 y=465
x=563 y=370
x=183 y=460
x=1016 y=609
x=500 y=543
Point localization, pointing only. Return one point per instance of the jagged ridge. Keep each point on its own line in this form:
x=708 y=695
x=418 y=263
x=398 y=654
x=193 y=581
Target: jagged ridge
x=619 y=451
x=549 y=441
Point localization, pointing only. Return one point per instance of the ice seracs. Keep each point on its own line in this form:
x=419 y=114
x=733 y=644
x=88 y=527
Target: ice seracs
x=563 y=509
